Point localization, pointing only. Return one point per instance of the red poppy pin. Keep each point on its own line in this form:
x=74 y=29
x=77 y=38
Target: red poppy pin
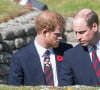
x=29 y=4
x=59 y=58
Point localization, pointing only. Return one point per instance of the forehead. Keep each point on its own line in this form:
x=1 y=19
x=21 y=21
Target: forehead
x=79 y=24
x=58 y=29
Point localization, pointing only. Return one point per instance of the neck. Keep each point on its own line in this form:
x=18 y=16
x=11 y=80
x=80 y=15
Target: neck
x=41 y=41
x=96 y=39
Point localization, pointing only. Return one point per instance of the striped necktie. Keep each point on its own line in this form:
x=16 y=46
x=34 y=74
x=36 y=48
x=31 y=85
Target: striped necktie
x=96 y=63
x=48 y=73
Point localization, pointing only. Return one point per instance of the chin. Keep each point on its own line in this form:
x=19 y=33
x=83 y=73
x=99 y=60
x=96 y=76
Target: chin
x=84 y=44
x=55 y=46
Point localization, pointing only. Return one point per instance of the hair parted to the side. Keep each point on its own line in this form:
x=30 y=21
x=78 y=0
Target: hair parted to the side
x=49 y=20
x=89 y=15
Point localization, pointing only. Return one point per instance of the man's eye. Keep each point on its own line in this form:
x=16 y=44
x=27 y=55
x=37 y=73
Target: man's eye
x=82 y=32
x=58 y=34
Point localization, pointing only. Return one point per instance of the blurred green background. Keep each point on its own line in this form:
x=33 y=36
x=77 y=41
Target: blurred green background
x=64 y=7
x=70 y=7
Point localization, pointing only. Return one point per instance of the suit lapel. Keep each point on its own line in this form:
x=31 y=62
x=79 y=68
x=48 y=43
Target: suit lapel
x=36 y=63
x=58 y=63
x=87 y=60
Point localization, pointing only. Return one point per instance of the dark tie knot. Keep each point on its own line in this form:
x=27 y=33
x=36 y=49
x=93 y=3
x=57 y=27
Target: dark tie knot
x=94 y=47
x=47 y=52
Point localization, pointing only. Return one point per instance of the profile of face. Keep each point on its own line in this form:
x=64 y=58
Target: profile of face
x=53 y=38
x=84 y=33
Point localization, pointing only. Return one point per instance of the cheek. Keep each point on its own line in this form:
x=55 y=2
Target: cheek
x=53 y=37
x=89 y=35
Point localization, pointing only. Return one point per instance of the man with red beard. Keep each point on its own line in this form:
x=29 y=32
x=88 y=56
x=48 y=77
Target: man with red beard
x=30 y=65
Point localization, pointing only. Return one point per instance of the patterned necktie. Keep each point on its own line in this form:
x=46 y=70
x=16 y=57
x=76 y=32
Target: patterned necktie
x=48 y=73
x=96 y=63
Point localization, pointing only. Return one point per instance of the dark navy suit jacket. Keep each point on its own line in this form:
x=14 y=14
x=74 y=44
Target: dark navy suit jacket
x=25 y=66
x=77 y=68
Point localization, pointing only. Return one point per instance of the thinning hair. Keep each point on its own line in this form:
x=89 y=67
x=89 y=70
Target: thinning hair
x=89 y=15
x=49 y=20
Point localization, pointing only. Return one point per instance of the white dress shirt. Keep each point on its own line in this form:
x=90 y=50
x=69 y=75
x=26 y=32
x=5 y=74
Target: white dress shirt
x=97 y=51
x=41 y=52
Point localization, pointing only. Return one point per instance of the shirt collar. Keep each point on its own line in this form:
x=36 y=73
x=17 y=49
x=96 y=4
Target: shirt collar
x=97 y=45
x=41 y=50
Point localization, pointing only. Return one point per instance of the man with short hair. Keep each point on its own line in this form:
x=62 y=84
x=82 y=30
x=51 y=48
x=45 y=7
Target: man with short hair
x=81 y=64
x=40 y=62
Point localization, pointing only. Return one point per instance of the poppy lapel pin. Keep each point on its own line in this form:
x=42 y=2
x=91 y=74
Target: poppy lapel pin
x=29 y=4
x=59 y=58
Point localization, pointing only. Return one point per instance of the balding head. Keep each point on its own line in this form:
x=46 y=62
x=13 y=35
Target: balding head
x=83 y=13
x=89 y=16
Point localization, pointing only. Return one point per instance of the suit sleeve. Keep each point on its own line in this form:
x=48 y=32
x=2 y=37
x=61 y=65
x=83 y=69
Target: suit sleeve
x=15 y=73
x=66 y=77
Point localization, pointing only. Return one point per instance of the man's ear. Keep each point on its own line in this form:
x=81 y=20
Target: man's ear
x=95 y=27
x=44 y=31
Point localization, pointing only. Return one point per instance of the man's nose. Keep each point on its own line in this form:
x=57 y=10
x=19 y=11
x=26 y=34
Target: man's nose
x=78 y=36
x=60 y=37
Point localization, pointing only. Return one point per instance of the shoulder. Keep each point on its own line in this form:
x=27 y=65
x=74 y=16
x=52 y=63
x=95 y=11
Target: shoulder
x=25 y=50
x=62 y=47
x=65 y=45
x=75 y=50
